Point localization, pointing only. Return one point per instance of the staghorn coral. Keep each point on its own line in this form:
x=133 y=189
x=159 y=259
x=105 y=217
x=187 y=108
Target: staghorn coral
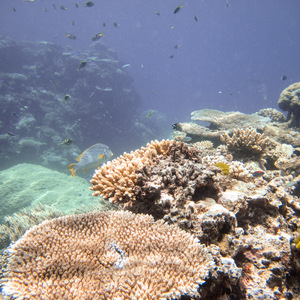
x=245 y=142
x=106 y=255
x=116 y=179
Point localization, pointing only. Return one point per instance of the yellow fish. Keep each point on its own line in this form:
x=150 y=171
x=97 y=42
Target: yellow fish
x=91 y=158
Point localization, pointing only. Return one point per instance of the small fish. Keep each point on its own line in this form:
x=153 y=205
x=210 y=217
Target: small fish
x=88 y=4
x=125 y=66
x=29 y=0
x=116 y=24
x=177 y=9
x=76 y=5
x=10 y=133
x=45 y=9
x=157 y=12
x=63 y=7
x=224 y=167
x=66 y=142
x=91 y=158
x=284 y=77
x=82 y=64
x=149 y=114
x=103 y=24
x=15 y=114
x=258 y=174
x=67 y=98
x=14 y=9
x=227 y=3
x=195 y=18
x=176 y=47
x=172 y=27
x=73 y=23
x=71 y=36
x=171 y=56
x=54 y=6
x=97 y=36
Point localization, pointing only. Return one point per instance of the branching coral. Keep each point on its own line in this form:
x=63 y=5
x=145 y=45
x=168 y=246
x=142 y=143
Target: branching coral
x=106 y=255
x=246 y=142
x=116 y=179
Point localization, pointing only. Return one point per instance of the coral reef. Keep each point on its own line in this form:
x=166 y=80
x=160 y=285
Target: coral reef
x=108 y=255
x=250 y=214
x=35 y=77
x=289 y=100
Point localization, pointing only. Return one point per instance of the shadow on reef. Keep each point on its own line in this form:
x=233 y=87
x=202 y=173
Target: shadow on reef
x=50 y=93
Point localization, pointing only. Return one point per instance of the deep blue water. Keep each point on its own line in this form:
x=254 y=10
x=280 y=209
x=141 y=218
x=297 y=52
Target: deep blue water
x=232 y=58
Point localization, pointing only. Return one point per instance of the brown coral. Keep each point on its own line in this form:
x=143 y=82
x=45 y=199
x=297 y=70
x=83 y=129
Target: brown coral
x=245 y=142
x=116 y=179
x=106 y=255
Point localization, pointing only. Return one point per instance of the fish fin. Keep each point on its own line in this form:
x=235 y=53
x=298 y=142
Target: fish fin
x=84 y=170
x=101 y=156
x=72 y=170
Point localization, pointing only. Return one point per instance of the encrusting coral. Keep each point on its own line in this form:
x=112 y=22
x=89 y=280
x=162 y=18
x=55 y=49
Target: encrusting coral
x=106 y=255
x=246 y=142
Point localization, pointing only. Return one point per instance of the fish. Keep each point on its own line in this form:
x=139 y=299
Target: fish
x=14 y=9
x=82 y=64
x=63 y=7
x=66 y=142
x=258 y=174
x=227 y=3
x=71 y=36
x=284 y=77
x=67 y=98
x=224 y=167
x=91 y=158
x=157 y=12
x=171 y=56
x=88 y=4
x=103 y=24
x=195 y=18
x=149 y=114
x=116 y=24
x=73 y=23
x=54 y=6
x=97 y=36
x=10 y=133
x=76 y=5
x=177 y=9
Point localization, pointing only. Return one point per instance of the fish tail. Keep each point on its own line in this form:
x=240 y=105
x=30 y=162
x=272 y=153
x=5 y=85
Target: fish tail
x=72 y=170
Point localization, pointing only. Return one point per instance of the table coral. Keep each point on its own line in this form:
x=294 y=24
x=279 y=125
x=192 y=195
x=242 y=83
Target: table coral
x=107 y=255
